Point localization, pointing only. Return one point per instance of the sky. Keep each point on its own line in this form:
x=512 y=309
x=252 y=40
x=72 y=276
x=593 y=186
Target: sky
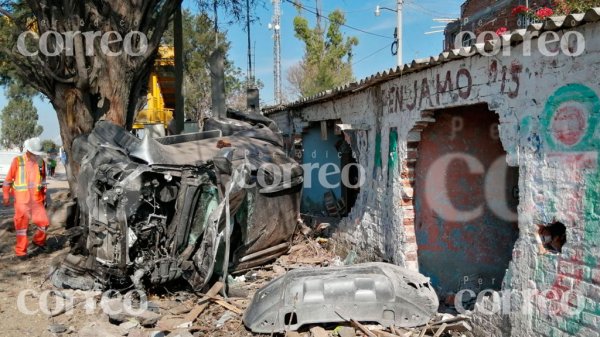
x=372 y=54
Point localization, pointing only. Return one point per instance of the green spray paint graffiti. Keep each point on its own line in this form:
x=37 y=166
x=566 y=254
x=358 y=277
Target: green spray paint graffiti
x=392 y=155
x=571 y=130
x=377 y=153
x=393 y=161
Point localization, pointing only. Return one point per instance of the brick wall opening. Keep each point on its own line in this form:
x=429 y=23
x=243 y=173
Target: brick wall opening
x=464 y=200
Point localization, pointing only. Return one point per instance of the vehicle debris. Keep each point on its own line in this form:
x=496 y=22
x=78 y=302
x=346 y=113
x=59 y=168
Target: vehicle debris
x=370 y=292
x=188 y=206
x=210 y=314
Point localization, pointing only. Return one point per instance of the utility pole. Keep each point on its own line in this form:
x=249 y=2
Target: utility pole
x=276 y=25
x=398 y=31
x=215 y=10
x=399 y=5
x=249 y=75
x=252 y=93
x=319 y=13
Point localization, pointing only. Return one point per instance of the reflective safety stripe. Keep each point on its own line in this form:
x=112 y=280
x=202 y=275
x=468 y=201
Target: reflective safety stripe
x=21 y=175
x=21 y=232
x=21 y=183
x=42 y=229
x=28 y=186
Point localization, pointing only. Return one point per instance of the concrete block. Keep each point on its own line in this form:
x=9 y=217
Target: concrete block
x=587 y=332
x=590 y=319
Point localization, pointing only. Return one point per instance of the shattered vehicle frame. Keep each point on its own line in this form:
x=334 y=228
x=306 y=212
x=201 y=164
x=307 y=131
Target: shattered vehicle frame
x=379 y=293
x=154 y=210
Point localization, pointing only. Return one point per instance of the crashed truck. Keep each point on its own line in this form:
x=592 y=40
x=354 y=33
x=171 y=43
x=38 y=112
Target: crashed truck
x=154 y=210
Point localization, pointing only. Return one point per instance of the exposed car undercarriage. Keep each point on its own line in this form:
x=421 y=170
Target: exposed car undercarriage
x=155 y=210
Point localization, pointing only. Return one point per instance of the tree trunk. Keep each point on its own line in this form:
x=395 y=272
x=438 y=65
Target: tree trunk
x=77 y=111
x=96 y=77
x=74 y=119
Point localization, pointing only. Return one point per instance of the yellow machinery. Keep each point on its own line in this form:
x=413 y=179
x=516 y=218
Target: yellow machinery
x=161 y=91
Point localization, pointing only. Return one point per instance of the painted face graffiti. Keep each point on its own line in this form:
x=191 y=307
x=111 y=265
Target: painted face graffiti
x=569 y=123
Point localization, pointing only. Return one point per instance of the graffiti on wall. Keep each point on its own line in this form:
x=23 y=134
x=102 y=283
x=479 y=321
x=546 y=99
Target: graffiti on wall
x=420 y=93
x=393 y=154
x=429 y=92
x=509 y=77
x=571 y=131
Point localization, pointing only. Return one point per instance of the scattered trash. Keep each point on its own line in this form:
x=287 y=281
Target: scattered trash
x=228 y=315
x=384 y=300
x=119 y=312
x=57 y=328
x=350 y=258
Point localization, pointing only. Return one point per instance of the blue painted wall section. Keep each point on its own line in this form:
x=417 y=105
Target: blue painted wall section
x=319 y=152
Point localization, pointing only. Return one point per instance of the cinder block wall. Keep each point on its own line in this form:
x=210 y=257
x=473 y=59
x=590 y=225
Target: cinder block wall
x=559 y=172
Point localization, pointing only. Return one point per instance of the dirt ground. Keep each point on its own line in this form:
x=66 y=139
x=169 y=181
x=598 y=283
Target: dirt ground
x=27 y=277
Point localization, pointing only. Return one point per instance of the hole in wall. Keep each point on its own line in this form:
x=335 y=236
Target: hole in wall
x=333 y=170
x=465 y=205
x=552 y=237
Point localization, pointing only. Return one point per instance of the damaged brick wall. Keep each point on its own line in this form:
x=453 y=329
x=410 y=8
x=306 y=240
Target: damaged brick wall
x=548 y=109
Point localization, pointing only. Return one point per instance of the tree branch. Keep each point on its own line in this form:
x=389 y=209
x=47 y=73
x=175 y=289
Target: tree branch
x=6 y=13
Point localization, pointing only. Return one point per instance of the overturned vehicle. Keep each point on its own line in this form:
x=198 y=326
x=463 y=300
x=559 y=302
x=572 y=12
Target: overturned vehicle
x=190 y=206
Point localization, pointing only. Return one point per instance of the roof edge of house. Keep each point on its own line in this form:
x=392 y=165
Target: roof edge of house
x=553 y=23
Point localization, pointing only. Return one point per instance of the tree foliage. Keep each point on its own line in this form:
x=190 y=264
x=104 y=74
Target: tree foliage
x=92 y=82
x=19 y=119
x=49 y=146
x=327 y=60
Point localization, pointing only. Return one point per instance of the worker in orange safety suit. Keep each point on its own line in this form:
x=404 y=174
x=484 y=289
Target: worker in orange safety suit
x=26 y=182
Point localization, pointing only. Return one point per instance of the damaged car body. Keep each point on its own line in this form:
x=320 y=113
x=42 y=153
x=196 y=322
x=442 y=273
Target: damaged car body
x=155 y=210
x=372 y=292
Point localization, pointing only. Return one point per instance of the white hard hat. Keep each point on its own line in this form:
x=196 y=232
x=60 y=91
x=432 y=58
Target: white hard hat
x=34 y=145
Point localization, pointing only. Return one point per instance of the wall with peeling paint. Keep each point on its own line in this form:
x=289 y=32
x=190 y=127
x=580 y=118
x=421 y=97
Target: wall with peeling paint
x=549 y=112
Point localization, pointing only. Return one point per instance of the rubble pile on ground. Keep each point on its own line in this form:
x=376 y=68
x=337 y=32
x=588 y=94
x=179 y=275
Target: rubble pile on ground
x=211 y=314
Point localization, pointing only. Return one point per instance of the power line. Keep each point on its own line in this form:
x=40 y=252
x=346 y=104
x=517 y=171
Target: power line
x=345 y=25
x=372 y=54
x=370 y=9
x=425 y=10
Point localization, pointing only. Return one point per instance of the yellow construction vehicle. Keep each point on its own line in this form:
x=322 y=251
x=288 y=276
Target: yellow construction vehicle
x=161 y=91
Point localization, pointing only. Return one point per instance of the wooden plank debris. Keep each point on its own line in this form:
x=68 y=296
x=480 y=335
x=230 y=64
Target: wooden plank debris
x=362 y=328
x=192 y=315
x=441 y=330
